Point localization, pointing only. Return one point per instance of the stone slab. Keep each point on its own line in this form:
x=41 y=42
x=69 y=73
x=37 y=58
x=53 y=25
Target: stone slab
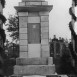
x=22 y=3
x=23 y=18
x=15 y=75
x=45 y=3
x=33 y=3
x=45 y=54
x=23 y=30
x=44 y=41
x=36 y=76
x=23 y=55
x=34 y=50
x=45 y=29
x=23 y=14
x=44 y=24
x=50 y=60
x=44 y=18
x=23 y=48
x=22 y=24
x=34 y=70
x=33 y=19
x=45 y=35
x=45 y=47
x=44 y=13
x=31 y=61
x=31 y=14
x=32 y=0
x=23 y=42
x=23 y=36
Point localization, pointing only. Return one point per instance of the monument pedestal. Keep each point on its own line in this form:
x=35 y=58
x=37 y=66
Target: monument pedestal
x=38 y=68
x=34 y=54
x=34 y=66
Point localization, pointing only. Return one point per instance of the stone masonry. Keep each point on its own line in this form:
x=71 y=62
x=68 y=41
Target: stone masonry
x=34 y=57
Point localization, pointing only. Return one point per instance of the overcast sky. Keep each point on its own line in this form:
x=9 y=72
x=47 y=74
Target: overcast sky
x=58 y=20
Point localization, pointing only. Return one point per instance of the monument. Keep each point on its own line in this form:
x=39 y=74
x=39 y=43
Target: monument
x=34 y=55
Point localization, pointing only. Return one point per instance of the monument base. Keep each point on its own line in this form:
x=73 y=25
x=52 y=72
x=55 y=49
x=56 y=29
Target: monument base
x=34 y=67
x=34 y=70
x=35 y=76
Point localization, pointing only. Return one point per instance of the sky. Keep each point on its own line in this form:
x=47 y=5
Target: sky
x=59 y=17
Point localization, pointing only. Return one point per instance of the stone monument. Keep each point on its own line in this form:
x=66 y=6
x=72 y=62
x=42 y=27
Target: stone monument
x=34 y=55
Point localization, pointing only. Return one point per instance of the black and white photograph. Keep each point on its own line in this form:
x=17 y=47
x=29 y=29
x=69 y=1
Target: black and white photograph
x=38 y=38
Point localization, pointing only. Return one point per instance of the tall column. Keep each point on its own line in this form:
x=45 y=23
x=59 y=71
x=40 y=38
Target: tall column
x=44 y=15
x=23 y=18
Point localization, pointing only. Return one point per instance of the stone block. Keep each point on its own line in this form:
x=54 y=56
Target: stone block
x=43 y=13
x=44 y=41
x=22 y=18
x=23 y=30
x=23 y=55
x=45 y=35
x=23 y=42
x=45 y=29
x=23 y=14
x=33 y=19
x=22 y=24
x=45 y=3
x=33 y=3
x=31 y=61
x=23 y=48
x=45 y=53
x=45 y=48
x=31 y=0
x=22 y=3
x=34 y=70
x=44 y=24
x=35 y=76
x=44 y=18
x=31 y=14
x=15 y=75
x=34 y=50
x=23 y=36
x=50 y=60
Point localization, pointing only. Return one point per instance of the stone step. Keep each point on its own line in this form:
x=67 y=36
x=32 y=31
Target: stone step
x=34 y=70
x=34 y=61
x=32 y=0
x=34 y=76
